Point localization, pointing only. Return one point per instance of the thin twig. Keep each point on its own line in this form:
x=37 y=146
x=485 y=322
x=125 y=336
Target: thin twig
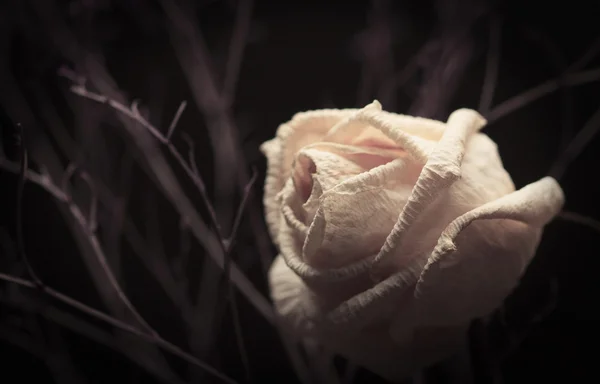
x=580 y=219
x=132 y=113
x=84 y=328
x=175 y=120
x=588 y=56
x=191 y=152
x=236 y=48
x=155 y=339
x=166 y=179
x=241 y=209
x=576 y=146
x=237 y=328
x=92 y=215
x=60 y=195
x=570 y=78
x=19 y=220
x=192 y=54
x=194 y=59
x=521 y=100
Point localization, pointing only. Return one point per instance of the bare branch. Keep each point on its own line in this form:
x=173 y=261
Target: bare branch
x=576 y=146
x=133 y=113
x=155 y=339
x=193 y=174
x=70 y=171
x=588 y=56
x=85 y=328
x=159 y=170
x=577 y=218
x=191 y=152
x=227 y=278
x=523 y=99
x=19 y=220
x=236 y=48
x=176 y=120
x=77 y=215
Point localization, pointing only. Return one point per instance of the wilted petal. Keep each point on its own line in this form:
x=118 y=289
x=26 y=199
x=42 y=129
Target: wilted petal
x=442 y=169
x=354 y=217
x=483 y=179
x=328 y=167
x=481 y=255
x=291 y=298
x=304 y=129
x=371 y=123
x=368 y=341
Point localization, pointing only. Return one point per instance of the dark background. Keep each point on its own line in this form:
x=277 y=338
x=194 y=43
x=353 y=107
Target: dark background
x=419 y=57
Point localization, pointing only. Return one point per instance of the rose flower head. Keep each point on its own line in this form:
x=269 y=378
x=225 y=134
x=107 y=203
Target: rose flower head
x=395 y=231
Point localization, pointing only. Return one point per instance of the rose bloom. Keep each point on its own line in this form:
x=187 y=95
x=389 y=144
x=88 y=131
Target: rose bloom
x=394 y=232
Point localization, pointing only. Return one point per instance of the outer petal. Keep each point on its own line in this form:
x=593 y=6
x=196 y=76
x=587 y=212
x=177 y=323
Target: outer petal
x=355 y=216
x=326 y=254
x=369 y=344
x=304 y=129
x=481 y=255
x=483 y=179
x=392 y=126
x=415 y=135
x=442 y=169
x=291 y=298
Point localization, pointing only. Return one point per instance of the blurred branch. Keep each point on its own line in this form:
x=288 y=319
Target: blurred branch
x=226 y=280
x=45 y=182
x=92 y=332
x=491 y=67
x=571 y=78
x=444 y=70
x=576 y=146
x=155 y=339
x=92 y=215
x=586 y=58
x=560 y=62
x=236 y=49
x=19 y=108
x=193 y=56
x=62 y=370
x=192 y=53
x=88 y=225
x=23 y=165
x=133 y=113
x=577 y=218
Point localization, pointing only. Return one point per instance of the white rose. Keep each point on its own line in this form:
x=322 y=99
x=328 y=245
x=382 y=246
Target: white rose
x=395 y=231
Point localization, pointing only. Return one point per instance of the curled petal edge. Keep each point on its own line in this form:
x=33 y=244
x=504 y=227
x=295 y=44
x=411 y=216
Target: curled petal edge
x=442 y=169
x=531 y=207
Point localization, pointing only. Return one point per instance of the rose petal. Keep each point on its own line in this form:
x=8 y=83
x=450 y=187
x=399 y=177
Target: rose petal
x=481 y=255
x=355 y=217
x=369 y=343
x=442 y=169
x=330 y=168
x=291 y=298
x=483 y=179
x=328 y=164
x=400 y=129
x=304 y=128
